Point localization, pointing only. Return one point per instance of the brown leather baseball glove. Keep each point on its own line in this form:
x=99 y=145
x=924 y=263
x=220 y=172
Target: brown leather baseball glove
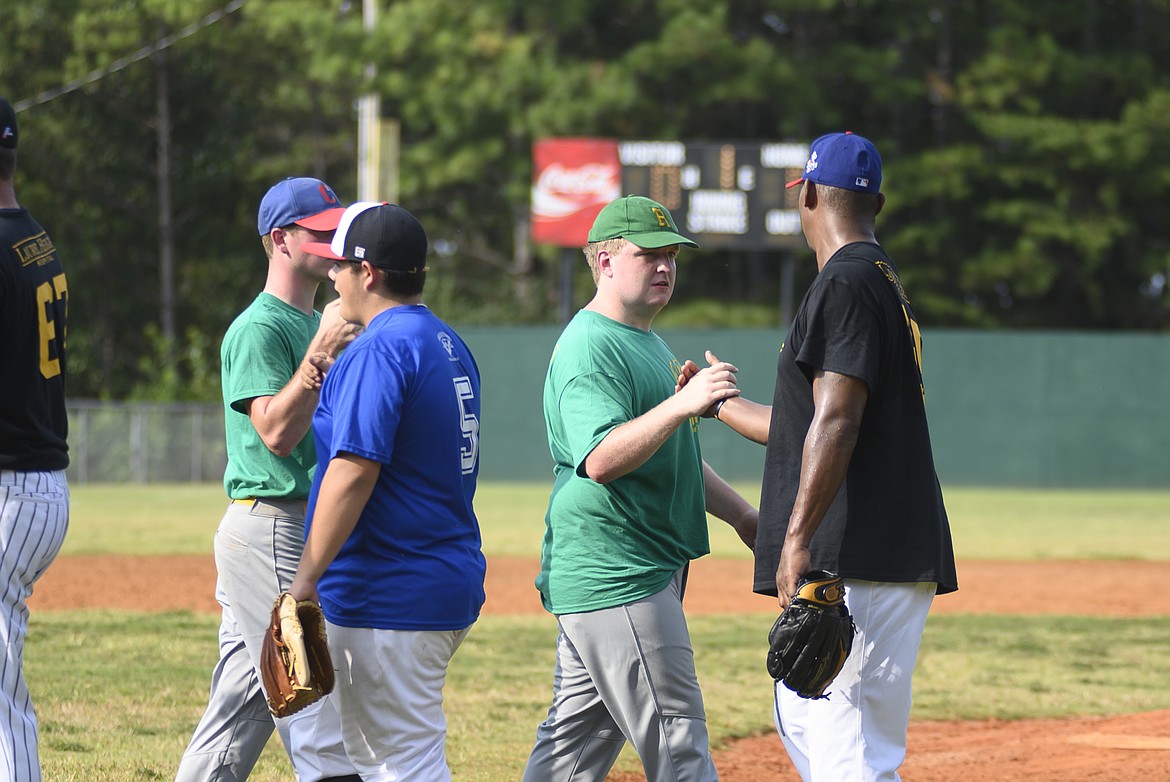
x=294 y=661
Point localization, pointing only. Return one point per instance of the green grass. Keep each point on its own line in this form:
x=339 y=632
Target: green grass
x=1021 y=524
x=1012 y=667
x=143 y=518
x=119 y=693
x=1030 y=524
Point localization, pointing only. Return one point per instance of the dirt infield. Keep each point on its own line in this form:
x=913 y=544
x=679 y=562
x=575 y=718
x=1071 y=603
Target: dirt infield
x=715 y=586
x=1129 y=748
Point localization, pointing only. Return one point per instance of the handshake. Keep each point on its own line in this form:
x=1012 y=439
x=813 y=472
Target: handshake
x=333 y=334
x=709 y=387
x=312 y=370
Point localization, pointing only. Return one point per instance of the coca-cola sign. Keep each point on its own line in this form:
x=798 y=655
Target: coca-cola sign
x=572 y=180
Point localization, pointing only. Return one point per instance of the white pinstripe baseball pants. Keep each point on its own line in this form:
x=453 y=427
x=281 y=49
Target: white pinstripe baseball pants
x=34 y=515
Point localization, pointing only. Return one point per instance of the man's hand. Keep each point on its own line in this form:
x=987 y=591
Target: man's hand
x=690 y=369
x=303 y=589
x=313 y=369
x=334 y=331
x=795 y=561
x=700 y=389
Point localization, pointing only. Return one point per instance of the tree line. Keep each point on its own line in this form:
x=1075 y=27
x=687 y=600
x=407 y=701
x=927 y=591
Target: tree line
x=1025 y=147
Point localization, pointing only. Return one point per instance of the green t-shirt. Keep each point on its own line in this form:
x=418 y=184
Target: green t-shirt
x=607 y=545
x=263 y=349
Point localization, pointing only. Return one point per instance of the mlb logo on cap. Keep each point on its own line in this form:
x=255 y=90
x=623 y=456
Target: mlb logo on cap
x=8 y=131
x=844 y=160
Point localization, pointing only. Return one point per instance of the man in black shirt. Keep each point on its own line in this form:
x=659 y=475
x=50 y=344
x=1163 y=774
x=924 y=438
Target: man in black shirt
x=34 y=497
x=849 y=478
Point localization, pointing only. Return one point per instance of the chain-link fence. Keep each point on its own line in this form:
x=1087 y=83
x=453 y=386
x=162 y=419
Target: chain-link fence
x=143 y=442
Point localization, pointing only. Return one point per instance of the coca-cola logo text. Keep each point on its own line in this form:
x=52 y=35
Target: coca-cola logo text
x=589 y=179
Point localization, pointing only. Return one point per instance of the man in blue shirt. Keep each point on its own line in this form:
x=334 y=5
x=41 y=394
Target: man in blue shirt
x=393 y=549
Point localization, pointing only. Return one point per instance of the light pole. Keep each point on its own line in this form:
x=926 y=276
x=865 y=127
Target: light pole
x=369 y=121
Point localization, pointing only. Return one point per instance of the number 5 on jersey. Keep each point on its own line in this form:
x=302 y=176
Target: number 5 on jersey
x=469 y=453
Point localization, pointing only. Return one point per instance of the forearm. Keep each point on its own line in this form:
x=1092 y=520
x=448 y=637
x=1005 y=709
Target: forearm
x=284 y=419
x=838 y=404
x=724 y=502
x=628 y=446
x=747 y=418
x=828 y=448
x=345 y=490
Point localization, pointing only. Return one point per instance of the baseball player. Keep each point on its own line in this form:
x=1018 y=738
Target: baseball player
x=34 y=497
x=849 y=478
x=393 y=549
x=626 y=515
x=268 y=407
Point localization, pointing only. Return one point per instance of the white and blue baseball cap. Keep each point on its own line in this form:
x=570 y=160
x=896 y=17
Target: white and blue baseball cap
x=844 y=160
x=307 y=202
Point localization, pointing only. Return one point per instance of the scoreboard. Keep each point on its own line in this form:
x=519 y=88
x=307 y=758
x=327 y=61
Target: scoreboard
x=723 y=194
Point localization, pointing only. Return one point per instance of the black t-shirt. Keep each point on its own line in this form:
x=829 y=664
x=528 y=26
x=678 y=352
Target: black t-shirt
x=887 y=522
x=33 y=303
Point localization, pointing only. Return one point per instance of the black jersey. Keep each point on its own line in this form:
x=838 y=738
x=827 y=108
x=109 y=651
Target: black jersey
x=33 y=306
x=887 y=522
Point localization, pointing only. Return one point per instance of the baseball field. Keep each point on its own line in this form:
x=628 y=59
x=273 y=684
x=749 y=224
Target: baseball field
x=1051 y=663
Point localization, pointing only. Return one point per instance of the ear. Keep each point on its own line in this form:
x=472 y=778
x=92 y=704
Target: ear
x=279 y=240
x=881 y=203
x=369 y=276
x=808 y=195
x=604 y=263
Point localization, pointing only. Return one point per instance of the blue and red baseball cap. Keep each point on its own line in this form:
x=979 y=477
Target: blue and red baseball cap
x=307 y=202
x=844 y=160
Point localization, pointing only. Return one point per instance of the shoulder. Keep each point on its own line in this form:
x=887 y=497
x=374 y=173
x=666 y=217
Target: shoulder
x=859 y=269
x=589 y=341
x=257 y=327
x=855 y=261
x=252 y=315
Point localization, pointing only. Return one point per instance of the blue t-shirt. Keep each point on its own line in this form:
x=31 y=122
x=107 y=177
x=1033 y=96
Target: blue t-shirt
x=406 y=395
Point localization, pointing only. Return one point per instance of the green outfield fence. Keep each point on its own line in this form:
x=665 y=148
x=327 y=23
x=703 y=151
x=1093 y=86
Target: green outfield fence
x=1037 y=409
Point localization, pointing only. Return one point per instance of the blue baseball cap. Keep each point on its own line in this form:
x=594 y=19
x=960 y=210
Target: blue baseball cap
x=308 y=202
x=844 y=160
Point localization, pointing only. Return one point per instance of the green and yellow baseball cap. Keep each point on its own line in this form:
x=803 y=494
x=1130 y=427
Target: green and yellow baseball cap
x=639 y=220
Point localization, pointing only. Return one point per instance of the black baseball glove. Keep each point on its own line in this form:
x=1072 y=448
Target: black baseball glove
x=809 y=642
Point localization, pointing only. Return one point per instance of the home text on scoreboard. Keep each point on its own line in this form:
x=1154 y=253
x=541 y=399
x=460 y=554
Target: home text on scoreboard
x=724 y=194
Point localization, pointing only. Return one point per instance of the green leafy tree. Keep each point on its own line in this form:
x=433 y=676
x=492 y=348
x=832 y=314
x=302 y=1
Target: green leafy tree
x=1025 y=167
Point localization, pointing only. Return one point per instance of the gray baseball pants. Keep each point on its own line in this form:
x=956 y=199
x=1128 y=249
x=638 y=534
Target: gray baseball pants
x=257 y=549
x=625 y=674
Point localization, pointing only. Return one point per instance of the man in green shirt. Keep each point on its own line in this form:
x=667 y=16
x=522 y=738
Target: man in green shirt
x=626 y=516
x=272 y=357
